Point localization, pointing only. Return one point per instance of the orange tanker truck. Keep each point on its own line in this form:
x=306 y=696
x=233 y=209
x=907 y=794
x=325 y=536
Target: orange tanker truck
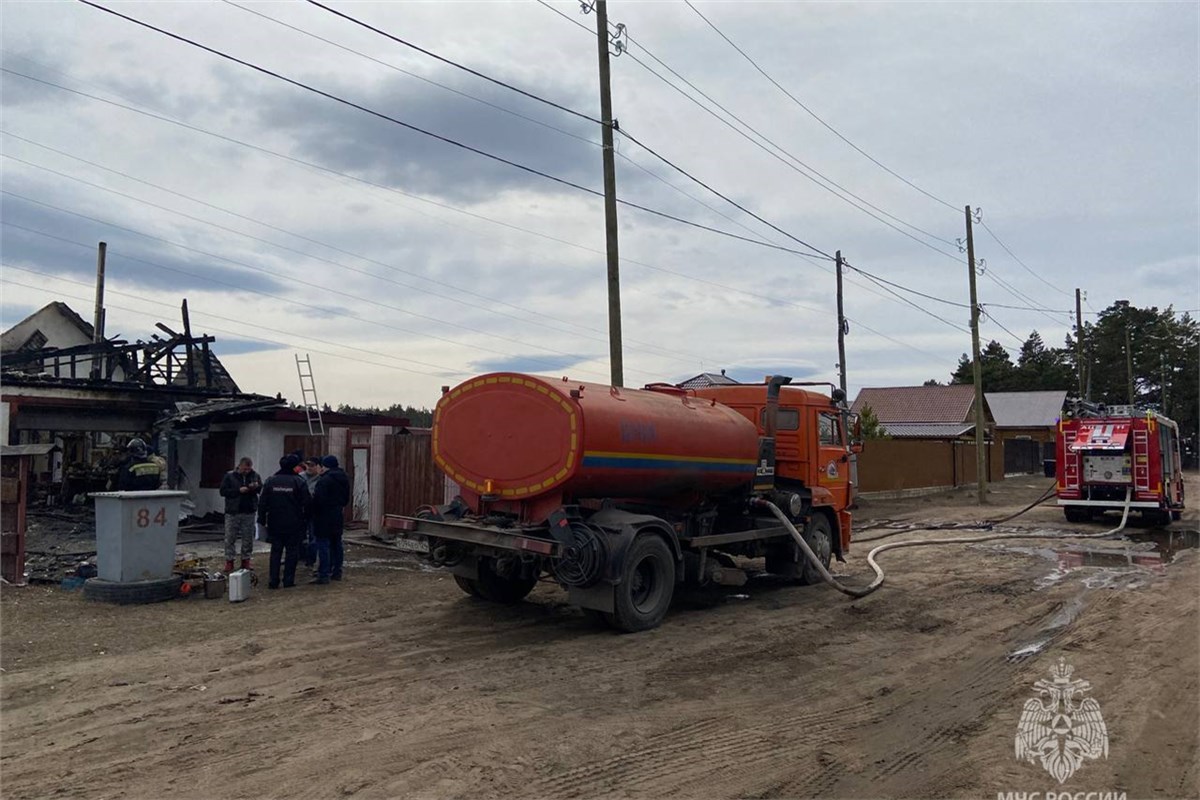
x=621 y=495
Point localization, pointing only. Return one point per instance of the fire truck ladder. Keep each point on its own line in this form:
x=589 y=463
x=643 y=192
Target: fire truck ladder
x=308 y=395
x=1141 y=460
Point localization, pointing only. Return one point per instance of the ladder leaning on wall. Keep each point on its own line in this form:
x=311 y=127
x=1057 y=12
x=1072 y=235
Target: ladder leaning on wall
x=308 y=395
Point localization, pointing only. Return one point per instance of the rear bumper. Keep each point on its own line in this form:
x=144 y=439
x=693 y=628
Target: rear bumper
x=1110 y=503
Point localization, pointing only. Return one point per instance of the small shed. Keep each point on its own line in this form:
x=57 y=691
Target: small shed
x=1026 y=424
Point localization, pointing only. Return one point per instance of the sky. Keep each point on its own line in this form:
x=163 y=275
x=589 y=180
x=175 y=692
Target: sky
x=400 y=263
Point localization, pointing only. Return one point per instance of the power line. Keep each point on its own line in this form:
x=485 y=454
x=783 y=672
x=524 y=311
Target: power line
x=771 y=299
x=289 y=334
x=799 y=169
x=329 y=172
x=624 y=133
x=489 y=104
x=330 y=290
x=814 y=115
x=116 y=254
x=439 y=137
x=1016 y=338
x=422 y=78
x=1019 y=261
x=450 y=297
x=452 y=63
x=727 y=199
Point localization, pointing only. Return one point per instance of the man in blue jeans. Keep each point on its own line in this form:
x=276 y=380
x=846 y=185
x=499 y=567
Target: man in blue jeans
x=332 y=494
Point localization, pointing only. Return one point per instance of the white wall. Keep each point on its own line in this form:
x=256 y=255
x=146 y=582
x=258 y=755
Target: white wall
x=260 y=440
x=3 y=423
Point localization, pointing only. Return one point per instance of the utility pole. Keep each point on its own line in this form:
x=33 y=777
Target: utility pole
x=977 y=371
x=841 y=327
x=1129 y=363
x=98 y=315
x=615 y=359
x=1079 y=341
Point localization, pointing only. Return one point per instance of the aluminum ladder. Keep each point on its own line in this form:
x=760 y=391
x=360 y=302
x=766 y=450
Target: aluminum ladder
x=308 y=395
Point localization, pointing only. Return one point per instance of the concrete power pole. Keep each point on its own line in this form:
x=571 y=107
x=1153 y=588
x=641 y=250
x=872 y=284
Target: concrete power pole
x=615 y=359
x=977 y=371
x=1079 y=341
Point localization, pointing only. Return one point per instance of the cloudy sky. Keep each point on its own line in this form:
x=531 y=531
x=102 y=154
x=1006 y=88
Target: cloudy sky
x=296 y=224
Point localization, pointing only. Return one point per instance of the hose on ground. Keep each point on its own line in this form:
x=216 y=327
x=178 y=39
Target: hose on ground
x=981 y=526
x=863 y=591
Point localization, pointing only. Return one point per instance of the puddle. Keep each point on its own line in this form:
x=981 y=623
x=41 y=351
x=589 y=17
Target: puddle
x=1124 y=564
x=1058 y=621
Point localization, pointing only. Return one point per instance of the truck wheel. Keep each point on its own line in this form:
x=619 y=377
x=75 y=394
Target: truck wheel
x=647 y=585
x=781 y=557
x=467 y=585
x=498 y=589
x=1077 y=514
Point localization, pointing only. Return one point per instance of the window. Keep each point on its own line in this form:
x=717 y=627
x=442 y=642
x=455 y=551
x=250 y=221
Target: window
x=216 y=458
x=788 y=419
x=830 y=429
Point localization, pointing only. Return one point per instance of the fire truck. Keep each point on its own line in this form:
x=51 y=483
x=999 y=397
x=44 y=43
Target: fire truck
x=1103 y=453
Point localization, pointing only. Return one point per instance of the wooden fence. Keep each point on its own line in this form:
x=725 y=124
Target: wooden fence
x=892 y=465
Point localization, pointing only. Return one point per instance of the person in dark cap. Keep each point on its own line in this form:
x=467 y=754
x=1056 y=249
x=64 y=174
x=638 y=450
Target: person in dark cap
x=283 y=511
x=139 y=472
x=332 y=494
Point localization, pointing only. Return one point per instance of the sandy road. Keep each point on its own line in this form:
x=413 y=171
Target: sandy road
x=395 y=684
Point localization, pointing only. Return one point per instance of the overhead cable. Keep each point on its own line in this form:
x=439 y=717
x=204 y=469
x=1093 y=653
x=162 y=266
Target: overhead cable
x=815 y=116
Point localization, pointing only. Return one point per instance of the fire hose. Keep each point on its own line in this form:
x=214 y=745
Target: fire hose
x=863 y=591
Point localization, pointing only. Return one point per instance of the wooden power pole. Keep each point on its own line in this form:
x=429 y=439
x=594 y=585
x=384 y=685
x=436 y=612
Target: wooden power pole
x=1129 y=362
x=615 y=359
x=977 y=371
x=98 y=315
x=841 y=327
x=1079 y=341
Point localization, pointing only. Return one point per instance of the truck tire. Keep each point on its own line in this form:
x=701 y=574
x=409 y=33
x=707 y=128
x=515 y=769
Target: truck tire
x=647 y=585
x=781 y=558
x=505 y=591
x=467 y=585
x=132 y=592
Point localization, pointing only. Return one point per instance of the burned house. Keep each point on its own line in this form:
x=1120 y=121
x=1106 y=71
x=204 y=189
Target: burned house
x=64 y=383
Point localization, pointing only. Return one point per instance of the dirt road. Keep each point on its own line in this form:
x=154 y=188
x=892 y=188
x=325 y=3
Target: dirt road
x=395 y=684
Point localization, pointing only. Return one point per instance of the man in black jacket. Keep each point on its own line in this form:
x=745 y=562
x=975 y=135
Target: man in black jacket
x=283 y=510
x=329 y=498
x=240 y=489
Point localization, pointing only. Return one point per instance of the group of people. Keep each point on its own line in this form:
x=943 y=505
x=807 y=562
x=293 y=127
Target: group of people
x=300 y=507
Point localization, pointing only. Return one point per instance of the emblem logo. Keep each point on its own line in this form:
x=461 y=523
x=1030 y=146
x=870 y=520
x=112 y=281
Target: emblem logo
x=1061 y=728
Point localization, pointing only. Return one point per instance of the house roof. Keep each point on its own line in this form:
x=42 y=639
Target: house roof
x=221 y=379
x=199 y=416
x=706 y=379
x=950 y=403
x=927 y=430
x=9 y=343
x=1026 y=409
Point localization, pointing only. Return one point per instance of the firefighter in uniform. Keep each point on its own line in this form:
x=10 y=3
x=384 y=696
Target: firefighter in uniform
x=139 y=472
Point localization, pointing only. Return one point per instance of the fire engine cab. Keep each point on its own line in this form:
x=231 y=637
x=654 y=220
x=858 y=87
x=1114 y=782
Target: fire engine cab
x=1103 y=453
